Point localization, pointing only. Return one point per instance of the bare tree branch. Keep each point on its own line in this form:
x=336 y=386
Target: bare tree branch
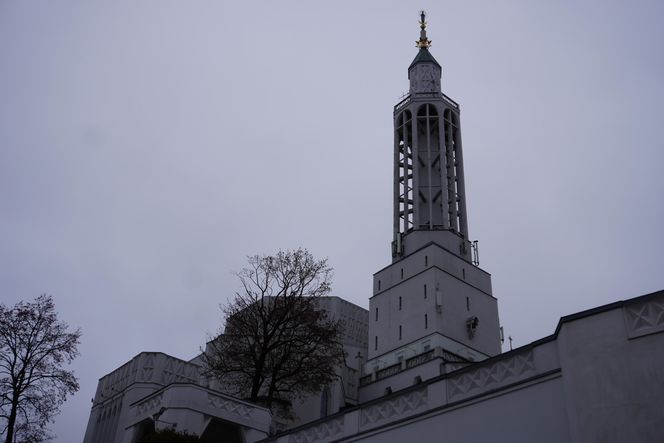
x=34 y=346
x=277 y=344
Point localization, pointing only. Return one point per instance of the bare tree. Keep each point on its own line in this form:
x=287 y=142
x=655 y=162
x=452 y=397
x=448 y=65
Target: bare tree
x=277 y=344
x=34 y=348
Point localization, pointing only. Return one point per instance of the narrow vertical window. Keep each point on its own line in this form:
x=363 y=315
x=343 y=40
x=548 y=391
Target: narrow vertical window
x=324 y=400
x=428 y=168
x=402 y=273
x=426 y=321
x=467 y=304
x=463 y=271
x=399 y=332
x=379 y=285
x=400 y=304
x=455 y=199
x=376 y=314
x=376 y=343
x=426 y=260
x=404 y=177
x=425 y=291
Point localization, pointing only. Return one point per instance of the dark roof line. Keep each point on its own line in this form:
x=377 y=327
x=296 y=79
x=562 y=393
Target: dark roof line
x=424 y=56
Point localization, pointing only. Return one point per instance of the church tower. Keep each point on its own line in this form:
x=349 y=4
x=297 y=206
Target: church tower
x=433 y=298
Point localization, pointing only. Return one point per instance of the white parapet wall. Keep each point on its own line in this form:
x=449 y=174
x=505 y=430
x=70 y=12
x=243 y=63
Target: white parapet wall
x=192 y=408
x=597 y=378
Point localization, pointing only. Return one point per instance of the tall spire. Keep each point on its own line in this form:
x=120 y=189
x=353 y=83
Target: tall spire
x=423 y=55
x=431 y=298
x=429 y=197
x=423 y=42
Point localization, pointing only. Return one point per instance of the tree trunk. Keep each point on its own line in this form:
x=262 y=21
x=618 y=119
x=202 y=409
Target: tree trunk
x=273 y=387
x=12 y=420
x=255 y=387
x=256 y=382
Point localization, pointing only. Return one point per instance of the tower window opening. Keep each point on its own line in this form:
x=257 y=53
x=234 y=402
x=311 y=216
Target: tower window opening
x=463 y=271
x=404 y=174
x=379 y=285
x=426 y=321
x=426 y=110
x=425 y=291
x=454 y=172
x=400 y=304
x=376 y=314
x=399 y=332
x=402 y=273
x=375 y=343
x=426 y=260
x=467 y=303
x=429 y=212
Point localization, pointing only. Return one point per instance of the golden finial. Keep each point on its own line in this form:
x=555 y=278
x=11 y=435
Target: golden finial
x=423 y=42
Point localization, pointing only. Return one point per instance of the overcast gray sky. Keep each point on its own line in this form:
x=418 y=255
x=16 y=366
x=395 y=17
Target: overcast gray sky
x=148 y=147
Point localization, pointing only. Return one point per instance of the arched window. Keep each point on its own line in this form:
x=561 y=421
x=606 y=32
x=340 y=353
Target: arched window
x=426 y=110
x=404 y=172
x=453 y=169
x=429 y=211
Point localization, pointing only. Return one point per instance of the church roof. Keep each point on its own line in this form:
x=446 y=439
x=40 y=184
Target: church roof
x=424 y=56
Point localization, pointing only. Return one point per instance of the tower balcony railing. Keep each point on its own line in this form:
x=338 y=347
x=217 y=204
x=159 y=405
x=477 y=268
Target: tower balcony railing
x=447 y=357
x=365 y=380
x=405 y=98
x=389 y=371
x=418 y=360
x=476 y=252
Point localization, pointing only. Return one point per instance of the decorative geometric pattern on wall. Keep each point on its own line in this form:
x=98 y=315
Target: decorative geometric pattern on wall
x=149 y=405
x=229 y=406
x=323 y=432
x=148 y=367
x=643 y=318
x=488 y=377
x=117 y=381
x=394 y=408
x=179 y=371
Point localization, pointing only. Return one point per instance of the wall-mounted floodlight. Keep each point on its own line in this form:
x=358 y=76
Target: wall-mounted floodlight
x=471 y=325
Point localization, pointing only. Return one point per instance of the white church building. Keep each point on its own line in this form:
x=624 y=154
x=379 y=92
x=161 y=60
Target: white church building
x=424 y=363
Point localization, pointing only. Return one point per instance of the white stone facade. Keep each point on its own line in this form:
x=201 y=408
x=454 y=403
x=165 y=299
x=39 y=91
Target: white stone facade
x=156 y=390
x=599 y=377
x=160 y=390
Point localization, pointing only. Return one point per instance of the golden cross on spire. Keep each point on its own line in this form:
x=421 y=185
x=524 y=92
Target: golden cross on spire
x=423 y=42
